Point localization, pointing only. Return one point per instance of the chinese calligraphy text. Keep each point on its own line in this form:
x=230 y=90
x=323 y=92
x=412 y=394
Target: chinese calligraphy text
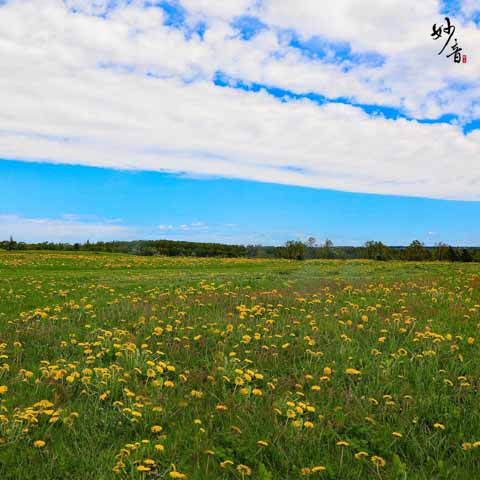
x=449 y=30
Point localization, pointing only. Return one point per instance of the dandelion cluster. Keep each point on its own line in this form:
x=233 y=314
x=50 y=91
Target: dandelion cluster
x=124 y=367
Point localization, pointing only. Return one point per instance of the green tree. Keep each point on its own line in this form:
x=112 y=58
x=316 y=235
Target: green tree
x=466 y=256
x=452 y=255
x=416 y=251
x=311 y=247
x=441 y=252
x=377 y=251
x=294 y=250
x=326 y=250
x=11 y=244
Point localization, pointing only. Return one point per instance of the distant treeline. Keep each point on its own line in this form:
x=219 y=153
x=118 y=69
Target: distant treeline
x=294 y=250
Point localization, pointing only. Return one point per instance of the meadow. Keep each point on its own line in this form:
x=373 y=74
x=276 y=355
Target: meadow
x=122 y=367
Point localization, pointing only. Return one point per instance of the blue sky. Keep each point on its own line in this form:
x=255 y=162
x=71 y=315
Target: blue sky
x=156 y=205
x=249 y=121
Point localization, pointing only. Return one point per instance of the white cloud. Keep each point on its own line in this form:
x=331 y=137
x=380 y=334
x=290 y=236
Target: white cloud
x=209 y=9
x=385 y=26
x=71 y=228
x=66 y=229
x=90 y=7
x=59 y=106
x=470 y=7
x=194 y=226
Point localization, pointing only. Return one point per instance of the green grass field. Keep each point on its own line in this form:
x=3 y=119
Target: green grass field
x=132 y=367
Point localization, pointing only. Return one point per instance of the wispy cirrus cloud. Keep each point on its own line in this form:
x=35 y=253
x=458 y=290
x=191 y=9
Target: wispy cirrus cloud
x=69 y=228
x=194 y=226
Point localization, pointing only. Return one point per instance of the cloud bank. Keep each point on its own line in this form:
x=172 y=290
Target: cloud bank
x=132 y=85
x=80 y=228
x=67 y=229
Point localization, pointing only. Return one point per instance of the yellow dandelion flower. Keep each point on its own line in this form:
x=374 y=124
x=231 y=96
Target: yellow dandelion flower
x=378 y=461
x=360 y=455
x=244 y=470
x=352 y=371
x=175 y=474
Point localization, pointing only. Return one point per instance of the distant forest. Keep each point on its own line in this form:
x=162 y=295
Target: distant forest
x=294 y=250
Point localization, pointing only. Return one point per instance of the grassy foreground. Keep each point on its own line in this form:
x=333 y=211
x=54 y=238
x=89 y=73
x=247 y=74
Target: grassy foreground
x=141 y=368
